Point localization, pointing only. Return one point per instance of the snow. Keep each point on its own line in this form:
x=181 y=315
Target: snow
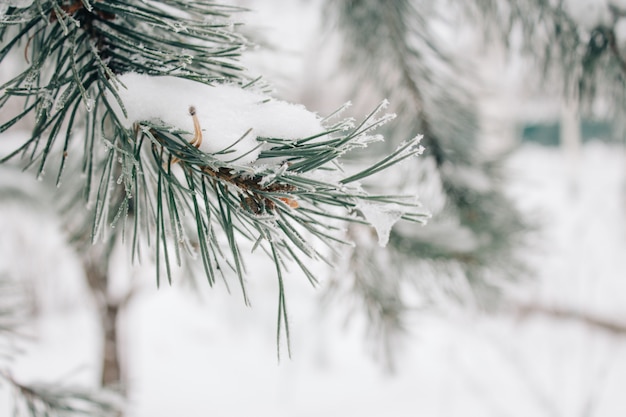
x=225 y=113
x=382 y=217
x=32 y=246
x=584 y=224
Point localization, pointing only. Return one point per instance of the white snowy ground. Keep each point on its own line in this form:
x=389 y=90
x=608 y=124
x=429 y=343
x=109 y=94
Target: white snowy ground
x=212 y=356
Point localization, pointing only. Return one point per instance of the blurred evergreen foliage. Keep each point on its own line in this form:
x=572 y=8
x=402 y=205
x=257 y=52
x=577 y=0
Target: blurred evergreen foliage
x=470 y=247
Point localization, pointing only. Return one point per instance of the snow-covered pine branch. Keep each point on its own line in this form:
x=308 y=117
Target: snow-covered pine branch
x=265 y=170
x=177 y=146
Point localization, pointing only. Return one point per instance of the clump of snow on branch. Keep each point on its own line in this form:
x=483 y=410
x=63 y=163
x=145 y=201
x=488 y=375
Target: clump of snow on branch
x=382 y=217
x=226 y=113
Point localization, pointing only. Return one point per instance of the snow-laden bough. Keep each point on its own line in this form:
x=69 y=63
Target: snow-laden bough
x=232 y=117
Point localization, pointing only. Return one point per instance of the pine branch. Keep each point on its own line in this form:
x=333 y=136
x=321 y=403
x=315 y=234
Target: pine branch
x=150 y=178
x=53 y=400
x=266 y=203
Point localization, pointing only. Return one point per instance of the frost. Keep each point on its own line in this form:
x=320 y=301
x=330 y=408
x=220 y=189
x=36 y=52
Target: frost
x=382 y=217
x=365 y=140
x=179 y=27
x=30 y=78
x=89 y=104
x=225 y=112
x=268 y=179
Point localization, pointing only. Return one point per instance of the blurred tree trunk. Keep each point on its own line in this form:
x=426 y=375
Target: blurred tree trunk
x=97 y=264
x=111 y=367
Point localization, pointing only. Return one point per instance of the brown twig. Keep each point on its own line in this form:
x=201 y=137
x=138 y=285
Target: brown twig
x=253 y=192
x=564 y=313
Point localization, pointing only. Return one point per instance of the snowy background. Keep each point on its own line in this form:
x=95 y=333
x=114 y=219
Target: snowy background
x=200 y=351
x=194 y=356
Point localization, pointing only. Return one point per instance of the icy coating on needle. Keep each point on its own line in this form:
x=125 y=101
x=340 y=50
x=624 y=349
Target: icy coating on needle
x=225 y=112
